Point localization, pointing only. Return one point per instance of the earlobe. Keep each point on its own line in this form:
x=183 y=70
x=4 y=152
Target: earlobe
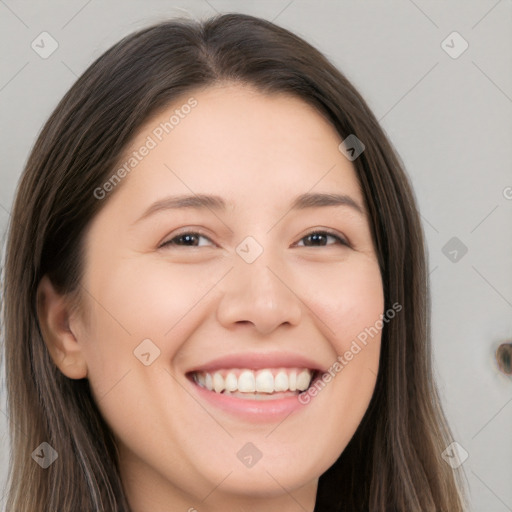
x=54 y=311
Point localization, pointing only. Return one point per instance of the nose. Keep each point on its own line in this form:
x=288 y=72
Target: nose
x=258 y=294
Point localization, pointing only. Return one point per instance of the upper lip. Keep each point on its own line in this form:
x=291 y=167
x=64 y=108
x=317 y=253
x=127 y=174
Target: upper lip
x=259 y=361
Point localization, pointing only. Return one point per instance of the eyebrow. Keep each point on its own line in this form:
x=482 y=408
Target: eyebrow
x=217 y=203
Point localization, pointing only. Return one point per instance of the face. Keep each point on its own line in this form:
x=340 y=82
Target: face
x=192 y=307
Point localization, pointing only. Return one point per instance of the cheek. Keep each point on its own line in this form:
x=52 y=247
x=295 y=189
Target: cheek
x=137 y=301
x=145 y=299
x=154 y=299
x=349 y=307
x=346 y=298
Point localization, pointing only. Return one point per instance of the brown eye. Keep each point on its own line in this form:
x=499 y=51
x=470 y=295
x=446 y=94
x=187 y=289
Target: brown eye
x=317 y=239
x=187 y=239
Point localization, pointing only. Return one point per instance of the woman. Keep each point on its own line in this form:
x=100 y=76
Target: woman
x=257 y=369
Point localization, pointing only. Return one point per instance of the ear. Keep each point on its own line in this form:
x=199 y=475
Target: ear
x=54 y=313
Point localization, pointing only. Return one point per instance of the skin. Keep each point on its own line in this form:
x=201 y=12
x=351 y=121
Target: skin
x=198 y=303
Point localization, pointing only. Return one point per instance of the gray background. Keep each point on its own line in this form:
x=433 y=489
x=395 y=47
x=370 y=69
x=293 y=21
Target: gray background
x=449 y=118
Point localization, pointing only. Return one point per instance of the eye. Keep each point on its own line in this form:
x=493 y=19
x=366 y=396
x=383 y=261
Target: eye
x=186 y=239
x=316 y=239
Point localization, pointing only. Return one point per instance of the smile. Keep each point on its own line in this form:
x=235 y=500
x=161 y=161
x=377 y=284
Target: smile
x=247 y=383
x=267 y=395
x=256 y=387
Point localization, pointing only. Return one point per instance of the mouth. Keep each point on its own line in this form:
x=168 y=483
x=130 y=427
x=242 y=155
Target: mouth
x=257 y=387
x=261 y=384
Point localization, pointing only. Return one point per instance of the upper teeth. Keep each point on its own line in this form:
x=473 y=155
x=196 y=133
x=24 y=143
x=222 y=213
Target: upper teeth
x=250 y=381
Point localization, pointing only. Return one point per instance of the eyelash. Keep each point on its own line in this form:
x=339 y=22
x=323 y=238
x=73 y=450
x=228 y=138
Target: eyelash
x=340 y=240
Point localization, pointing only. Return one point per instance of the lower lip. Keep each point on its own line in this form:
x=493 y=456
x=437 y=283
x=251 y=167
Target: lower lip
x=252 y=410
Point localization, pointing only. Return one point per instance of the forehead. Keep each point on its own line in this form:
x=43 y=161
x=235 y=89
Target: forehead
x=237 y=142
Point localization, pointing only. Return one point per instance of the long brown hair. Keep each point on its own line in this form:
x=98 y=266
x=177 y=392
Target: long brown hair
x=393 y=462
